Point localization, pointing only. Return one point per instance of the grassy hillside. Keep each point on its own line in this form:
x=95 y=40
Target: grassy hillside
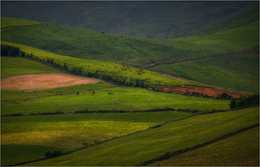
x=122 y=99
x=118 y=73
x=144 y=19
x=140 y=147
x=238 y=150
x=7 y=22
x=11 y=66
x=235 y=71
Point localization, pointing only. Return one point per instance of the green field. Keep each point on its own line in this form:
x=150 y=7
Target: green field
x=239 y=150
x=11 y=66
x=35 y=135
x=8 y=22
x=140 y=147
x=238 y=71
x=123 y=98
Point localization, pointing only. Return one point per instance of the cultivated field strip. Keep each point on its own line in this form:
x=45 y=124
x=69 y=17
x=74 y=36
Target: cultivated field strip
x=171 y=137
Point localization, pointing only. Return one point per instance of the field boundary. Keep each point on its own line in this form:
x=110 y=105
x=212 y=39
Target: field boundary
x=175 y=153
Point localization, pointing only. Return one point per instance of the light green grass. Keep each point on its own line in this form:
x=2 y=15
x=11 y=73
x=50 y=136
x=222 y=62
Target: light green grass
x=72 y=130
x=123 y=98
x=239 y=150
x=238 y=72
x=8 y=22
x=134 y=149
x=11 y=66
x=13 y=154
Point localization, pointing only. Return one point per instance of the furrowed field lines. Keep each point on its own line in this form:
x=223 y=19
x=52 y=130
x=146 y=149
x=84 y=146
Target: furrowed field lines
x=238 y=150
x=34 y=135
x=140 y=147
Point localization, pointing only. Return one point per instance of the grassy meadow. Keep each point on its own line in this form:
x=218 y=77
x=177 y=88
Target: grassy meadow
x=9 y=22
x=173 y=136
x=238 y=150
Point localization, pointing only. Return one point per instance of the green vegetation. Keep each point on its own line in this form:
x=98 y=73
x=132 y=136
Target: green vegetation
x=239 y=150
x=11 y=66
x=72 y=130
x=13 y=154
x=140 y=147
x=117 y=73
x=145 y=19
x=252 y=100
x=8 y=22
x=237 y=71
x=122 y=99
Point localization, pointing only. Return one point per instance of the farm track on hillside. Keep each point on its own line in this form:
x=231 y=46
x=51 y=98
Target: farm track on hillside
x=198 y=58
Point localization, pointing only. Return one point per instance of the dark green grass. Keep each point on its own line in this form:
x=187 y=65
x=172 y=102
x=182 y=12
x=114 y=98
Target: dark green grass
x=239 y=150
x=236 y=71
x=11 y=66
x=137 y=148
x=13 y=154
x=123 y=98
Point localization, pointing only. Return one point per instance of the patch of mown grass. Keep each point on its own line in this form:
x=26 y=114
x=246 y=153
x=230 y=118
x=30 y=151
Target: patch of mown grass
x=239 y=150
x=121 y=99
x=238 y=71
x=13 y=154
x=7 y=22
x=11 y=66
x=140 y=147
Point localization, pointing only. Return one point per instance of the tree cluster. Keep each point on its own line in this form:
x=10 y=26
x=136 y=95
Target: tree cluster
x=252 y=100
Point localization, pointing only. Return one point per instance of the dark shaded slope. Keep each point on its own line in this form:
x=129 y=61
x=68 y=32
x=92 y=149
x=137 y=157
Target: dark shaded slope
x=144 y=19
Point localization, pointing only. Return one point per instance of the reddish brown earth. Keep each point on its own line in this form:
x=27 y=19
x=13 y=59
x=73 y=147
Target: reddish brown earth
x=205 y=91
x=44 y=81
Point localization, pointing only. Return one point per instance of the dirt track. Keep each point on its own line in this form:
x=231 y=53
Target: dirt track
x=44 y=81
x=205 y=91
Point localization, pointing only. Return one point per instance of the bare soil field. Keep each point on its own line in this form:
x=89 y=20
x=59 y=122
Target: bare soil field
x=206 y=91
x=44 y=81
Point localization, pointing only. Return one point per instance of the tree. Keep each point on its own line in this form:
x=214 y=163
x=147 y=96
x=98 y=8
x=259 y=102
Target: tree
x=233 y=104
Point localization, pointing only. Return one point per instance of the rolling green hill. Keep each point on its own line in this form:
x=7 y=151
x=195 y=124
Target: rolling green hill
x=173 y=136
x=145 y=19
x=7 y=22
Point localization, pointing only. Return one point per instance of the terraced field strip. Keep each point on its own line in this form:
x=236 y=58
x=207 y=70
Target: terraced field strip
x=176 y=153
x=174 y=136
x=239 y=150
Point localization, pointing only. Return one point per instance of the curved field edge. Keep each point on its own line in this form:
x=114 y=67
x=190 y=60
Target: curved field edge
x=141 y=147
x=238 y=150
x=12 y=66
x=117 y=73
x=9 y=22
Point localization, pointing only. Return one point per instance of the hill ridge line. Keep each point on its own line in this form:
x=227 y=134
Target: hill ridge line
x=178 y=152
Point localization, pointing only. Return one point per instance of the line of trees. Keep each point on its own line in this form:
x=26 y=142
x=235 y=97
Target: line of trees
x=12 y=51
x=252 y=100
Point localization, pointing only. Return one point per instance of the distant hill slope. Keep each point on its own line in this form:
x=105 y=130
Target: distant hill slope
x=161 y=20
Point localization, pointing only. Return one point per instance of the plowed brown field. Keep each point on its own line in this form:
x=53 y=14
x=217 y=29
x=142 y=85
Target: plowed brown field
x=205 y=91
x=44 y=81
